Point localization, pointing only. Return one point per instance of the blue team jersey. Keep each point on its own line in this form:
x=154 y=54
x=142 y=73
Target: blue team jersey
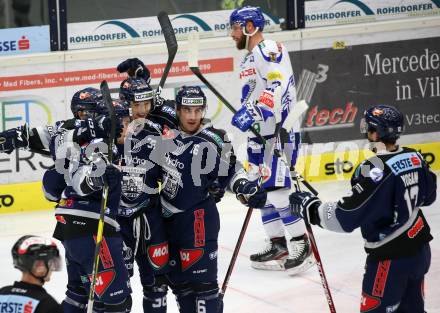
x=140 y=169
x=196 y=162
x=385 y=202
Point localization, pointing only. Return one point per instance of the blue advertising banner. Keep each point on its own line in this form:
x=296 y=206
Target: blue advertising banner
x=24 y=40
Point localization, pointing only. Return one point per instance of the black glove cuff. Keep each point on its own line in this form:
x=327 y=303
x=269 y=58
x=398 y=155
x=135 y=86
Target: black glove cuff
x=314 y=213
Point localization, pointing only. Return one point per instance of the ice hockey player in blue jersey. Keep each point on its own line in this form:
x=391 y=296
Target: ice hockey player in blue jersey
x=203 y=155
x=385 y=202
x=140 y=214
x=265 y=68
x=37 y=139
x=78 y=211
x=36 y=257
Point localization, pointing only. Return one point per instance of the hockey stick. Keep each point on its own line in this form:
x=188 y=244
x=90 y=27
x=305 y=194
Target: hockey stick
x=294 y=116
x=315 y=251
x=100 y=232
x=170 y=40
x=277 y=107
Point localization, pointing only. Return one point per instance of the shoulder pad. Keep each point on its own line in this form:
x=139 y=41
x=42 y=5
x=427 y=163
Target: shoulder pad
x=168 y=109
x=270 y=51
x=217 y=135
x=149 y=125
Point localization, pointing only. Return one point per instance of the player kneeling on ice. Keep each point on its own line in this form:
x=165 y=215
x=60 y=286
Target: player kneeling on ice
x=37 y=258
x=388 y=191
x=203 y=155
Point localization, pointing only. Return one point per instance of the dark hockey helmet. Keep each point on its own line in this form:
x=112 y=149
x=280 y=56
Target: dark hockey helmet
x=89 y=100
x=122 y=108
x=190 y=96
x=29 y=249
x=136 y=89
x=247 y=13
x=386 y=120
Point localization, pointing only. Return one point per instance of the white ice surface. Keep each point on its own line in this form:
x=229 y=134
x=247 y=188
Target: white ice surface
x=251 y=290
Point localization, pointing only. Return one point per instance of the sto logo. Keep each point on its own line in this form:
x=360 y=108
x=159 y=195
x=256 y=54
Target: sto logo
x=103 y=280
x=158 y=255
x=189 y=257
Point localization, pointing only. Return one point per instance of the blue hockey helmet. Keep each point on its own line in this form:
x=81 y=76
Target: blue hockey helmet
x=136 y=89
x=386 y=120
x=247 y=13
x=190 y=96
x=89 y=100
x=28 y=249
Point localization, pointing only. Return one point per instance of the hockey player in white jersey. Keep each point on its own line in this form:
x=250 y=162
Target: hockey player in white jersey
x=266 y=67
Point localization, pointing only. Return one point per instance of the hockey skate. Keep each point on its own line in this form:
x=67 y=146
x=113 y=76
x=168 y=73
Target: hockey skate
x=300 y=258
x=272 y=257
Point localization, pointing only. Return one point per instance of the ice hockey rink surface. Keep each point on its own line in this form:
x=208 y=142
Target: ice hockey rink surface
x=253 y=290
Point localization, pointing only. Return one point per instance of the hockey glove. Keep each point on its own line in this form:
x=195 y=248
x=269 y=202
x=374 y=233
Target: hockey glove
x=249 y=193
x=134 y=68
x=242 y=119
x=14 y=138
x=305 y=205
x=113 y=175
x=216 y=191
x=96 y=128
x=158 y=100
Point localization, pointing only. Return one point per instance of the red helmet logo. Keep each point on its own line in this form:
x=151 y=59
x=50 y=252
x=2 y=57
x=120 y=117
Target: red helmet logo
x=84 y=95
x=377 y=112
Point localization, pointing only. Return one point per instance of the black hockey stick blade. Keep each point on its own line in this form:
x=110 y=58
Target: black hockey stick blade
x=109 y=105
x=170 y=40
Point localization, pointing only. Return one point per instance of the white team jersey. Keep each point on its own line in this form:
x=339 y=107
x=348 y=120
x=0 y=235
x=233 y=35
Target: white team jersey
x=263 y=69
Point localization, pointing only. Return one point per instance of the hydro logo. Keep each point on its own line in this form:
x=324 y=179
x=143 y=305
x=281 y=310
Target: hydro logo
x=15 y=45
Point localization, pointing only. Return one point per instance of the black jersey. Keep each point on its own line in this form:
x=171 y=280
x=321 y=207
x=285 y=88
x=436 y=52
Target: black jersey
x=27 y=298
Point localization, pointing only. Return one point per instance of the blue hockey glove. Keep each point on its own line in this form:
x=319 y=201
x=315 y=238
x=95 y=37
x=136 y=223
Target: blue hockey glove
x=216 y=191
x=113 y=175
x=135 y=68
x=99 y=127
x=250 y=193
x=243 y=120
x=14 y=138
x=305 y=205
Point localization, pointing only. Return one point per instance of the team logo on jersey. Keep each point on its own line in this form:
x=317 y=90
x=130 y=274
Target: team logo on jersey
x=368 y=302
x=158 y=255
x=132 y=186
x=188 y=257
x=171 y=184
x=103 y=280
